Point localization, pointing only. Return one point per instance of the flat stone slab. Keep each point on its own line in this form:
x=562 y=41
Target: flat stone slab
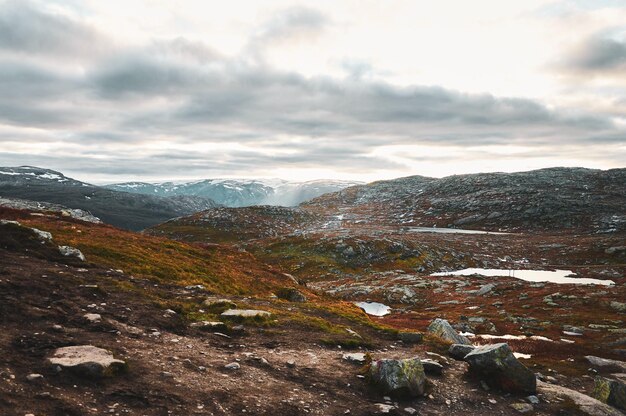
x=87 y=360
x=245 y=313
x=355 y=357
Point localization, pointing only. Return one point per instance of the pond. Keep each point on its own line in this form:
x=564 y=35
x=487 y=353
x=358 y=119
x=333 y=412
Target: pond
x=450 y=231
x=374 y=308
x=551 y=276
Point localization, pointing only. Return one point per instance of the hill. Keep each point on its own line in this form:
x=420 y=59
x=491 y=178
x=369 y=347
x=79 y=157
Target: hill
x=122 y=209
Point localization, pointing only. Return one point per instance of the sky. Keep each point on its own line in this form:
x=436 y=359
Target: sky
x=110 y=91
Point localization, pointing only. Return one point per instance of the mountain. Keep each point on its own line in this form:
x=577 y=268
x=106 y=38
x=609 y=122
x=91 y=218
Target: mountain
x=122 y=209
x=553 y=199
x=239 y=192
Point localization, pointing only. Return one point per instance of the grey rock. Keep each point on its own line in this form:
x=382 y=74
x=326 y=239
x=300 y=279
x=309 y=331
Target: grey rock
x=399 y=377
x=93 y=318
x=68 y=251
x=34 y=377
x=411 y=337
x=210 y=326
x=497 y=365
x=355 y=357
x=432 y=366
x=245 y=313
x=291 y=294
x=618 y=306
x=232 y=366
x=606 y=365
x=459 y=351
x=484 y=289
x=532 y=399
x=444 y=330
x=87 y=360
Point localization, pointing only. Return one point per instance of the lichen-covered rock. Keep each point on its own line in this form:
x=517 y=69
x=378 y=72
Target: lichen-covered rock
x=459 y=351
x=497 y=365
x=218 y=304
x=87 y=360
x=611 y=391
x=68 y=251
x=399 y=377
x=444 y=330
x=618 y=306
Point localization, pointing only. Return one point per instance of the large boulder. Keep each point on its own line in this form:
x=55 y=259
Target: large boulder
x=459 y=351
x=497 y=365
x=68 y=251
x=611 y=391
x=291 y=294
x=404 y=378
x=444 y=330
x=86 y=360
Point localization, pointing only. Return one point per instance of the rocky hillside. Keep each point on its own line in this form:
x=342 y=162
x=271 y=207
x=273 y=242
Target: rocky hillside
x=122 y=209
x=239 y=192
x=555 y=199
x=97 y=320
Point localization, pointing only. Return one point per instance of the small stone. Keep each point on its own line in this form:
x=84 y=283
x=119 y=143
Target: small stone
x=291 y=363
x=34 y=377
x=93 y=318
x=532 y=399
x=68 y=251
x=356 y=357
x=432 y=367
x=232 y=366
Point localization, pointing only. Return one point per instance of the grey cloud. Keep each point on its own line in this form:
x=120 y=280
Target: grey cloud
x=27 y=30
x=597 y=56
x=290 y=23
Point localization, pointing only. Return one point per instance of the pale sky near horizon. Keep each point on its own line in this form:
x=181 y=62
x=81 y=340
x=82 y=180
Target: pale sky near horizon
x=109 y=91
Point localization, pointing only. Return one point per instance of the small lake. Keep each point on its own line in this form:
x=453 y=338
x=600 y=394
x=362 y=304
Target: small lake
x=449 y=231
x=374 y=308
x=550 y=276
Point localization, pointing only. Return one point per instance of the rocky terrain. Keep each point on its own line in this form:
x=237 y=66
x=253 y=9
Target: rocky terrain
x=576 y=199
x=332 y=308
x=239 y=192
x=122 y=209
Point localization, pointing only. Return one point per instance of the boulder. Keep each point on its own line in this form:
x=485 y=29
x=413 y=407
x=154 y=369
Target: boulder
x=411 y=337
x=497 y=365
x=587 y=405
x=399 y=377
x=611 y=391
x=68 y=251
x=618 y=306
x=444 y=330
x=459 y=351
x=606 y=365
x=86 y=360
x=245 y=313
x=432 y=367
x=291 y=294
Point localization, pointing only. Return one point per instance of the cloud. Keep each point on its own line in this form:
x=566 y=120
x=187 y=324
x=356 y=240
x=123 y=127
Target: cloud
x=597 y=56
x=177 y=105
x=26 y=30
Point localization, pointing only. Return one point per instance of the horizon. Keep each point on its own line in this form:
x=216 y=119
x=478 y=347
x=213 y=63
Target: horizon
x=261 y=179
x=137 y=91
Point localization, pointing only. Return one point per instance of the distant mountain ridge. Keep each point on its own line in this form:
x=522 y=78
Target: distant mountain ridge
x=240 y=192
x=588 y=200
x=122 y=209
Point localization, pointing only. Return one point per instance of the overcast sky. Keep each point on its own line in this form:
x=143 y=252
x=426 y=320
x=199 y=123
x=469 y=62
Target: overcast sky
x=347 y=89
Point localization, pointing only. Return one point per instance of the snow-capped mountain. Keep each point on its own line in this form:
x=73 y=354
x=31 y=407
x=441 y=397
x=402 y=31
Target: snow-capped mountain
x=122 y=209
x=239 y=192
